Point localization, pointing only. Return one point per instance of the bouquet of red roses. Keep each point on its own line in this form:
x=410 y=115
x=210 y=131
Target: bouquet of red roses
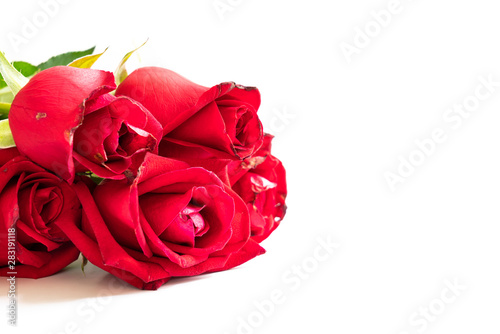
x=149 y=176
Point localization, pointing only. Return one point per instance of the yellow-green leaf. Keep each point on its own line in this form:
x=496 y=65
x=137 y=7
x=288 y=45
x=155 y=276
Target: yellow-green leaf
x=121 y=72
x=86 y=61
x=65 y=58
x=14 y=79
x=6 y=139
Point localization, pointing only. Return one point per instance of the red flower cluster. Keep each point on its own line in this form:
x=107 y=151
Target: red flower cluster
x=189 y=185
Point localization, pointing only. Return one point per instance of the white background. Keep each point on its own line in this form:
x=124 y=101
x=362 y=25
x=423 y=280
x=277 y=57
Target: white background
x=340 y=127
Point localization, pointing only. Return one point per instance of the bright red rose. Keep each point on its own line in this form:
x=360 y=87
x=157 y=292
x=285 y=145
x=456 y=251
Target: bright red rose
x=261 y=183
x=172 y=220
x=65 y=120
x=33 y=203
x=219 y=122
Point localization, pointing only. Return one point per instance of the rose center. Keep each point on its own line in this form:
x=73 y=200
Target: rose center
x=40 y=206
x=132 y=139
x=186 y=226
x=243 y=118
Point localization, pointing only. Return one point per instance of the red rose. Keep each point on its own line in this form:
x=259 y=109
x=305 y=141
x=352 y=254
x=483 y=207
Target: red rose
x=65 y=121
x=197 y=121
x=261 y=183
x=34 y=202
x=172 y=220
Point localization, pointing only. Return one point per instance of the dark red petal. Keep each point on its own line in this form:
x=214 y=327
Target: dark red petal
x=162 y=250
x=106 y=253
x=240 y=226
x=7 y=154
x=56 y=261
x=161 y=209
x=206 y=128
x=119 y=206
x=248 y=252
x=170 y=97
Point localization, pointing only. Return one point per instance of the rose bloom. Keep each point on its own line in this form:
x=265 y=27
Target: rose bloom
x=172 y=220
x=261 y=182
x=197 y=121
x=35 y=203
x=65 y=120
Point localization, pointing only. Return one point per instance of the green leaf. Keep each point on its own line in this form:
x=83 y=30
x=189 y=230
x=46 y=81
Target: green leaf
x=65 y=58
x=86 y=61
x=24 y=68
x=14 y=79
x=4 y=110
x=97 y=180
x=121 y=72
x=6 y=139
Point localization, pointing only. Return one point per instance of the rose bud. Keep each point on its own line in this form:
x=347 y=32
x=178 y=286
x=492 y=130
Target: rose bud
x=65 y=120
x=261 y=183
x=172 y=220
x=33 y=205
x=204 y=122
